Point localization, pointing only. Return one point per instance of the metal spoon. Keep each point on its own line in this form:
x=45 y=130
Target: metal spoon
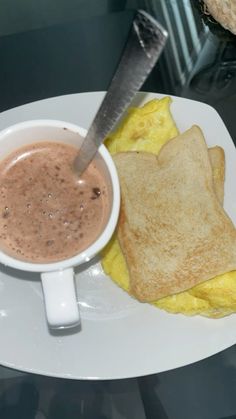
x=145 y=43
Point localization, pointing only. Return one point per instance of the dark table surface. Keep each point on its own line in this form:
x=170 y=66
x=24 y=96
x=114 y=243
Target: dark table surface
x=54 y=48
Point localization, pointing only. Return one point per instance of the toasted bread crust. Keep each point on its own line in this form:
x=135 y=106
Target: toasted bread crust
x=217 y=159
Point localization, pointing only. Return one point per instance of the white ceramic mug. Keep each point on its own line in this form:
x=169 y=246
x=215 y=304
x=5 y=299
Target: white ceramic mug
x=58 y=278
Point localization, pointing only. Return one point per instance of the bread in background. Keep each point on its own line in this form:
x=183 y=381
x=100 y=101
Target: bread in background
x=217 y=159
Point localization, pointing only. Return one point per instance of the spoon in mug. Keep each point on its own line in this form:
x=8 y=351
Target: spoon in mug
x=145 y=43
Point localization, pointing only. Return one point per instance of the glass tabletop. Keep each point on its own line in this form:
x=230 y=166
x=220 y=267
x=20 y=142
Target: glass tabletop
x=56 y=48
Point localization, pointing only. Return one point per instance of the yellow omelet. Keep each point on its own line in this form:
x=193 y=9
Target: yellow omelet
x=144 y=129
x=147 y=129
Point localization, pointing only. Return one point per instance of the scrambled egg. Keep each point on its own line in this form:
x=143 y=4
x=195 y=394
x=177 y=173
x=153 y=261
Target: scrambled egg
x=147 y=129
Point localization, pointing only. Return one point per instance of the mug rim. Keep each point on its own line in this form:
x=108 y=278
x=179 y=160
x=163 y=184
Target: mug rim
x=87 y=254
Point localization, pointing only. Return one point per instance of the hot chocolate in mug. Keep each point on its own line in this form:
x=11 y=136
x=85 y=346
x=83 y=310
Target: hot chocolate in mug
x=52 y=220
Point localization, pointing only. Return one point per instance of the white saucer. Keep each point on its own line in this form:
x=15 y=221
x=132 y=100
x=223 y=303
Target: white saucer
x=120 y=337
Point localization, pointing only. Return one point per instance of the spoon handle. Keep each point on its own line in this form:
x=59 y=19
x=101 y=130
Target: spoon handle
x=145 y=43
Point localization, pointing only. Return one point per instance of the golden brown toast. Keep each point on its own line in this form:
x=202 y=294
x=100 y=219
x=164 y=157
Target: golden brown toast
x=172 y=230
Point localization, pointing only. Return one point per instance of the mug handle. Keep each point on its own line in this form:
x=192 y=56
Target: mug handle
x=62 y=310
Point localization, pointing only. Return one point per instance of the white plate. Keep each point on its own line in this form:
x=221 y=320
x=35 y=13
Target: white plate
x=120 y=337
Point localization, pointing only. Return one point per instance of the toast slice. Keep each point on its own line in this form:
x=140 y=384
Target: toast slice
x=173 y=231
